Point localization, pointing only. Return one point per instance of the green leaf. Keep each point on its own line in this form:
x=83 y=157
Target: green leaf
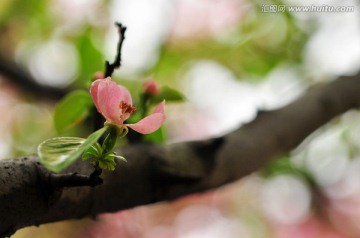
x=168 y=94
x=157 y=136
x=107 y=161
x=72 y=109
x=120 y=158
x=93 y=151
x=109 y=156
x=90 y=57
x=107 y=164
x=58 y=153
x=112 y=155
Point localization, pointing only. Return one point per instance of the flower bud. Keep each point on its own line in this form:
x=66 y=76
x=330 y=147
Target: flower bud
x=99 y=75
x=151 y=87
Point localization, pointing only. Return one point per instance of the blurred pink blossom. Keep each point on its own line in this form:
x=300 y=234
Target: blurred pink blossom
x=196 y=213
x=203 y=18
x=114 y=102
x=151 y=87
x=312 y=228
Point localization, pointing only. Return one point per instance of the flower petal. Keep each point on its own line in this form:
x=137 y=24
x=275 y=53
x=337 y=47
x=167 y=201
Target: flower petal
x=94 y=93
x=149 y=124
x=160 y=107
x=152 y=122
x=109 y=96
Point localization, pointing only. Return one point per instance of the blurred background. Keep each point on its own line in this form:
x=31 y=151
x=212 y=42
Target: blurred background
x=229 y=58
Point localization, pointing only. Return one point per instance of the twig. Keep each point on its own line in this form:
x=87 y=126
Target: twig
x=109 y=68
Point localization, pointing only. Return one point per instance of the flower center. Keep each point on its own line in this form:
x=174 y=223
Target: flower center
x=126 y=108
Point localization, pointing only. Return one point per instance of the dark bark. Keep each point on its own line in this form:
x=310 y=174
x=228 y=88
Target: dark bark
x=157 y=173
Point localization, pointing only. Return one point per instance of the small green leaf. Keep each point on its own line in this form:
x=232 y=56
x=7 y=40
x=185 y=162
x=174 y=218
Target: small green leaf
x=72 y=109
x=107 y=161
x=98 y=148
x=112 y=156
x=168 y=94
x=58 y=153
x=93 y=151
x=107 y=165
x=109 y=156
x=120 y=158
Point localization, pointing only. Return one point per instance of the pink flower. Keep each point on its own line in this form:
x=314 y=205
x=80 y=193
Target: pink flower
x=114 y=102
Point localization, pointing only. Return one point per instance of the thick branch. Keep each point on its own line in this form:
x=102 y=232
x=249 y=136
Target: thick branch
x=157 y=173
x=74 y=179
x=18 y=76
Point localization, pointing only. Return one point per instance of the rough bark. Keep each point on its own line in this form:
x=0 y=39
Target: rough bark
x=157 y=173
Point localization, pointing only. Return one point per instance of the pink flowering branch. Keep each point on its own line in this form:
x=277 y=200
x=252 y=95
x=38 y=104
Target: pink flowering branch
x=109 y=70
x=157 y=173
x=114 y=102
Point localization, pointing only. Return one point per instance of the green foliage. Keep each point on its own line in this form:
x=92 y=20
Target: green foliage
x=72 y=109
x=93 y=151
x=259 y=44
x=110 y=140
x=279 y=166
x=102 y=156
x=284 y=165
x=58 y=153
x=158 y=136
x=168 y=94
x=18 y=12
x=107 y=161
x=90 y=58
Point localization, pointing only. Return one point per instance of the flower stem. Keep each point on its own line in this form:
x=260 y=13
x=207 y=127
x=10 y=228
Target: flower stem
x=110 y=139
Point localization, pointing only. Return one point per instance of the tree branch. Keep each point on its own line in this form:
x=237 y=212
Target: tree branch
x=19 y=77
x=74 y=179
x=157 y=173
